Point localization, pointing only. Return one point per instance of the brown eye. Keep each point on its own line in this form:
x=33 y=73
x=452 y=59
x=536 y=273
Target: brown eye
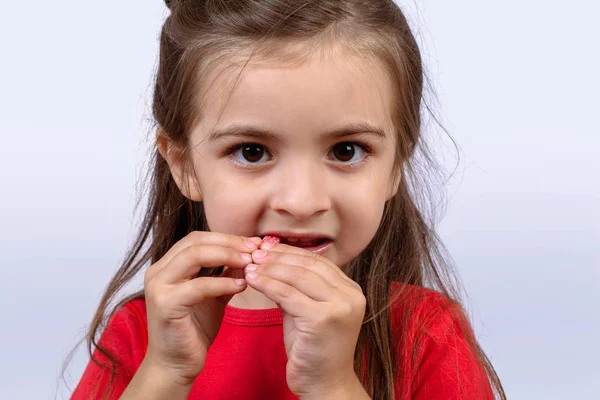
x=252 y=152
x=344 y=151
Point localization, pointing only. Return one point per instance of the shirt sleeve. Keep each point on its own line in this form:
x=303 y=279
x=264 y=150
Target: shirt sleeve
x=446 y=366
x=124 y=338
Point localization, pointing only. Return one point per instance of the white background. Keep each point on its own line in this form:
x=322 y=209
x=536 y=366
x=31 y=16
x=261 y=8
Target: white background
x=518 y=88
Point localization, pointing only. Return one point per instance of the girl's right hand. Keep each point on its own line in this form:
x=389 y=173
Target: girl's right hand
x=185 y=313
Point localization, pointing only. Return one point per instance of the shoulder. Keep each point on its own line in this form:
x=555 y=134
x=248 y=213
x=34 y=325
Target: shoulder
x=436 y=343
x=126 y=330
x=132 y=311
x=125 y=339
x=427 y=311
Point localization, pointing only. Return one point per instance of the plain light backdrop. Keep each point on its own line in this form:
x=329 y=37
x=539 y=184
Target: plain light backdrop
x=518 y=89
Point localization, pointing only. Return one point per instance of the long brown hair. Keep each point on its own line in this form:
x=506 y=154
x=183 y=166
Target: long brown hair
x=195 y=37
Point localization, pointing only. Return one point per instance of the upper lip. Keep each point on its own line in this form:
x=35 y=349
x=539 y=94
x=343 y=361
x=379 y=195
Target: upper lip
x=298 y=235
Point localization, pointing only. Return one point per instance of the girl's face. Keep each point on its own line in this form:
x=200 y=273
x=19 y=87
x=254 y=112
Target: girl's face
x=305 y=149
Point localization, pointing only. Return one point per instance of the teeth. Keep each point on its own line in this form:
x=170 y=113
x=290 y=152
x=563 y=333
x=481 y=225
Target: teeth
x=297 y=241
x=303 y=240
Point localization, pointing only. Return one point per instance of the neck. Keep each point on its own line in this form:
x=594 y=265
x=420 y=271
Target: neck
x=251 y=299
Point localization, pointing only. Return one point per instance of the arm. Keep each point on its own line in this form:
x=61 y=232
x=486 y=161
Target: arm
x=353 y=390
x=151 y=383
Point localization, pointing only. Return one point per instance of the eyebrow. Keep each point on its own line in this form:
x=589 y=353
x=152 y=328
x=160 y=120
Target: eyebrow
x=241 y=130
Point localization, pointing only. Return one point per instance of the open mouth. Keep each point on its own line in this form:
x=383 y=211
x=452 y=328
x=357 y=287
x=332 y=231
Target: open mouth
x=304 y=243
x=318 y=245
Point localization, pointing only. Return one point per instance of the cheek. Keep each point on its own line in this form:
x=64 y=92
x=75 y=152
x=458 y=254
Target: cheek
x=365 y=203
x=229 y=210
x=365 y=218
x=361 y=218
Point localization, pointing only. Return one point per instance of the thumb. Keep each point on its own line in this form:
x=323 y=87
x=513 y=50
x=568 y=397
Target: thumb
x=236 y=273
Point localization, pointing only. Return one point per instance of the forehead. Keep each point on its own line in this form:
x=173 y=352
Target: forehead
x=313 y=96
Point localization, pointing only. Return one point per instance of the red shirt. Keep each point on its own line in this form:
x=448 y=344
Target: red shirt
x=247 y=359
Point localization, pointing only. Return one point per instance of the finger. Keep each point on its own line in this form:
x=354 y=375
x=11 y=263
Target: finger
x=240 y=278
x=300 y=251
x=307 y=259
x=334 y=267
x=186 y=264
x=195 y=291
x=290 y=299
x=295 y=250
x=237 y=273
x=303 y=279
x=239 y=243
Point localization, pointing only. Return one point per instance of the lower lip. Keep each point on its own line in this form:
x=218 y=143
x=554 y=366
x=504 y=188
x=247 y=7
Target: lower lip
x=320 y=249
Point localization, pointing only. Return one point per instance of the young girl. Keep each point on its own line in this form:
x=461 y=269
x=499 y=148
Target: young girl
x=287 y=255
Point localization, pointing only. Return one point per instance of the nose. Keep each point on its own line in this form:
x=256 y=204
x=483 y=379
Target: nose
x=300 y=190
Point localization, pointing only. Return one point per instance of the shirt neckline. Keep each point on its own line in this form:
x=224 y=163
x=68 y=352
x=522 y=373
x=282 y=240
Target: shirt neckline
x=250 y=317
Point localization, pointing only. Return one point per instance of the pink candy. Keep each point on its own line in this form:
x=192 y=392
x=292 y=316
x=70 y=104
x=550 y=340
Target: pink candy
x=271 y=239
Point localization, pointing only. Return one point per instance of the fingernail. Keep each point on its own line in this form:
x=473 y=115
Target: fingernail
x=246 y=257
x=251 y=275
x=256 y=240
x=259 y=254
x=249 y=243
x=251 y=267
x=240 y=282
x=268 y=245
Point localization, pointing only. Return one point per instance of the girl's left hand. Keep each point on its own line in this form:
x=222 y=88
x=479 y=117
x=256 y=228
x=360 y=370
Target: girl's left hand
x=323 y=311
